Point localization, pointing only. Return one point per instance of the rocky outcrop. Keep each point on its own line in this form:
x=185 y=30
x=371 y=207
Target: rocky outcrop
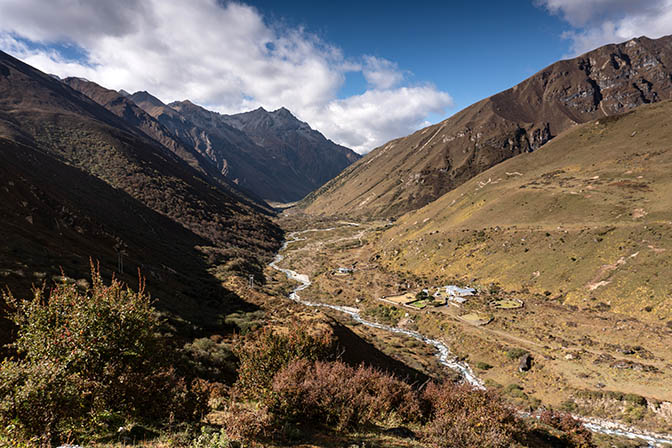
x=272 y=154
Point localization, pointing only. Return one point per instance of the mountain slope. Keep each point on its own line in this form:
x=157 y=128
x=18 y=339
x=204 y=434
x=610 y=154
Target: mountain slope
x=309 y=153
x=587 y=218
x=410 y=172
x=270 y=153
x=83 y=169
x=122 y=106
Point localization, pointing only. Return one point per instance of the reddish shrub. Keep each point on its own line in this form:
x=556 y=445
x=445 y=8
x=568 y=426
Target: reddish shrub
x=461 y=416
x=573 y=432
x=246 y=423
x=263 y=353
x=336 y=394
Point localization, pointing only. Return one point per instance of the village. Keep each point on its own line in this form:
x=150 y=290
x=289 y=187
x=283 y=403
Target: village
x=441 y=298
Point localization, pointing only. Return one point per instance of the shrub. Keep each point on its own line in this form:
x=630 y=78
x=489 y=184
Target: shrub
x=464 y=417
x=483 y=365
x=516 y=353
x=86 y=356
x=210 y=438
x=574 y=434
x=263 y=353
x=211 y=359
x=247 y=423
x=514 y=390
x=335 y=394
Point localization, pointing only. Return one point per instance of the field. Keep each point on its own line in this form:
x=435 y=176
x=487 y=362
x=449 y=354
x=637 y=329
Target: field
x=584 y=361
x=506 y=304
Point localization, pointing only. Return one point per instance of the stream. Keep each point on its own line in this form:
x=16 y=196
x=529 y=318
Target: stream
x=443 y=353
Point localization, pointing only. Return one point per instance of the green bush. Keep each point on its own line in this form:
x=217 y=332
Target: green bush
x=516 y=353
x=86 y=356
x=263 y=353
x=210 y=438
x=483 y=365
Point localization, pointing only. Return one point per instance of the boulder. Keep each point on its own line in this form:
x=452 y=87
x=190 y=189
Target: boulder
x=525 y=363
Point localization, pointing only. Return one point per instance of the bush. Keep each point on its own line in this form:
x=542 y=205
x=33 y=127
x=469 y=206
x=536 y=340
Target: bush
x=464 y=417
x=335 y=394
x=574 y=434
x=211 y=358
x=210 y=438
x=86 y=356
x=247 y=423
x=516 y=353
x=263 y=353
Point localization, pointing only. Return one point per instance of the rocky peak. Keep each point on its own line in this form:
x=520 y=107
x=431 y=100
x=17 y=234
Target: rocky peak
x=146 y=97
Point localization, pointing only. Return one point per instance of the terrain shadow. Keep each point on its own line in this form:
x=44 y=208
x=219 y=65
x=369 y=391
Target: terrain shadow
x=55 y=218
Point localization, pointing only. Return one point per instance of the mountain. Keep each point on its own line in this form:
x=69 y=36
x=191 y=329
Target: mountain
x=586 y=219
x=410 y=172
x=122 y=106
x=78 y=182
x=310 y=154
x=272 y=154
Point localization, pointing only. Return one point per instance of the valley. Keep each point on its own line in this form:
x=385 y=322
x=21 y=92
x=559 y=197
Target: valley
x=575 y=364
x=224 y=275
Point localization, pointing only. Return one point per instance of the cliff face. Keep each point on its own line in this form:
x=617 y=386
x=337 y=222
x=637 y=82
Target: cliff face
x=271 y=154
x=410 y=172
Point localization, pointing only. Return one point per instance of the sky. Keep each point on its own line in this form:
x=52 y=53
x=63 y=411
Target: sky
x=362 y=73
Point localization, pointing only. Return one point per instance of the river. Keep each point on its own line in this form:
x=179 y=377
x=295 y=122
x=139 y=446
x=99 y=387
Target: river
x=443 y=352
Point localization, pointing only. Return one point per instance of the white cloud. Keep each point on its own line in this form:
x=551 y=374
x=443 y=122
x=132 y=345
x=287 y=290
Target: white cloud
x=224 y=56
x=381 y=73
x=599 y=22
x=386 y=112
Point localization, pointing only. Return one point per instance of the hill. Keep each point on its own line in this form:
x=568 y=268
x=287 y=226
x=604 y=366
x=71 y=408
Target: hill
x=585 y=220
x=272 y=154
x=313 y=157
x=80 y=182
x=120 y=105
x=410 y=172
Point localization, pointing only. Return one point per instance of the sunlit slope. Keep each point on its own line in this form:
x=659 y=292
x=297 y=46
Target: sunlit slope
x=410 y=172
x=587 y=218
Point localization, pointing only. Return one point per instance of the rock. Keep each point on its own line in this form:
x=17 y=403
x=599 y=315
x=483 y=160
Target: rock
x=525 y=363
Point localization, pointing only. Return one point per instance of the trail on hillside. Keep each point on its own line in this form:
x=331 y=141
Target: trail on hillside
x=443 y=352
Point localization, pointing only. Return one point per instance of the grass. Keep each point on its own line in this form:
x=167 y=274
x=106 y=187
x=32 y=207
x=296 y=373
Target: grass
x=507 y=304
x=588 y=217
x=516 y=353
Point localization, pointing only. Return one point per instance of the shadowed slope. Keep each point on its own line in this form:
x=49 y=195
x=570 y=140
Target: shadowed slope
x=81 y=182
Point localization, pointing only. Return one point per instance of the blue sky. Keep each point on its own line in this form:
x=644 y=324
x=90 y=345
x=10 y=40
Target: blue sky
x=360 y=72
x=480 y=47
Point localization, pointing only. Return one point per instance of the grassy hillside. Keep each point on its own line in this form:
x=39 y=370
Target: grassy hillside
x=588 y=218
x=410 y=172
x=78 y=182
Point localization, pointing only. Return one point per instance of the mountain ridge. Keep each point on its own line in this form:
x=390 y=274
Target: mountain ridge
x=127 y=194
x=273 y=154
x=410 y=172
